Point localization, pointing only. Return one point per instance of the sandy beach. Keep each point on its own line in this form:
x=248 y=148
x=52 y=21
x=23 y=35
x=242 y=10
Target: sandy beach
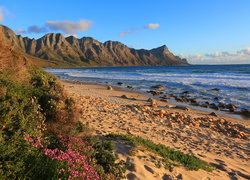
x=217 y=139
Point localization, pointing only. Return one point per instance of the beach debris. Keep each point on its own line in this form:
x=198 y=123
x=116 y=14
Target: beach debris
x=159 y=87
x=110 y=88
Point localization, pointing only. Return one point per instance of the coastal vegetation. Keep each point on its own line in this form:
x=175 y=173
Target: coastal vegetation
x=39 y=128
x=41 y=136
x=169 y=158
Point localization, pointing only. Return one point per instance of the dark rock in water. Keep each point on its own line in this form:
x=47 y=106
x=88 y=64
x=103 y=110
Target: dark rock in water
x=245 y=112
x=159 y=87
x=154 y=93
x=204 y=105
x=178 y=99
x=222 y=105
x=231 y=107
x=124 y=97
x=213 y=114
x=164 y=100
x=185 y=92
x=216 y=98
x=207 y=103
x=193 y=101
x=215 y=89
x=120 y=83
x=130 y=87
x=213 y=106
x=184 y=98
x=164 y=97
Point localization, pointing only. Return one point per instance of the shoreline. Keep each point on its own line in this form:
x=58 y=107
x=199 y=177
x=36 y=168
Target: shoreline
x=171 y=102
x=190 y=131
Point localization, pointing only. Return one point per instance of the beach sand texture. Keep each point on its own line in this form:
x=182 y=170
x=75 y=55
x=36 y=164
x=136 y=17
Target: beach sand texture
x=222 y=141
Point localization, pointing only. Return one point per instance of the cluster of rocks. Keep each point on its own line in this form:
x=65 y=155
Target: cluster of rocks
x=185 y=98
x=213 y=123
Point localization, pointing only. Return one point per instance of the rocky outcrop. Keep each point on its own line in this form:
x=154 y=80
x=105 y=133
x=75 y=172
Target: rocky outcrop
x=59 y=51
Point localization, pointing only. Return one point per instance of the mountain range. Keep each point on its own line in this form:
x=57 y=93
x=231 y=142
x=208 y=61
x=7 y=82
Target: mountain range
x=55 y=50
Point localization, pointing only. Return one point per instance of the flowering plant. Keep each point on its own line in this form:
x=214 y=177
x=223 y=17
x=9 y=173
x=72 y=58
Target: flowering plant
x=72 y=163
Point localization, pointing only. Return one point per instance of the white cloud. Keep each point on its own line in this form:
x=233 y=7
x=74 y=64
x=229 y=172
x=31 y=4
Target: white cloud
x=69 y=27
x=5 y=13
x=20 y=31
x=137 y=44
x=136 y=30
x=224 y=57
x=152 y=26
x=126 y=32
x=246 y=51
x=36 y=29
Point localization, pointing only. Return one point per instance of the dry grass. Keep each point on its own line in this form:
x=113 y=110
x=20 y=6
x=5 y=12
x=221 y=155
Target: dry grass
x=11 y=61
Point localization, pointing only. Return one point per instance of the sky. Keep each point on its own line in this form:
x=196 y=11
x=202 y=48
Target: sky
x=202 y=31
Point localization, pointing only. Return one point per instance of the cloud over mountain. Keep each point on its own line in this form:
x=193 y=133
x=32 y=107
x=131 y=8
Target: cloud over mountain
x=136 y=30
x=67 y=27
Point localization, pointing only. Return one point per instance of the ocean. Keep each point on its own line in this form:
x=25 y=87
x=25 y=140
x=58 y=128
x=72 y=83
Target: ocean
x=232 y=82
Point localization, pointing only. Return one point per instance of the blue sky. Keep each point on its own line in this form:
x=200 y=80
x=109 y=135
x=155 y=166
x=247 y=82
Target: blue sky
x=203 y=31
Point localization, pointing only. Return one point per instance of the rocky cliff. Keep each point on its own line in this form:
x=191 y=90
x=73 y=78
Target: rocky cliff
x=54 y=50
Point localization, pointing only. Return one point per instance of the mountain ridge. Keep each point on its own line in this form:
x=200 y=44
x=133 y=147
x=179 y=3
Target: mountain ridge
x=55 y=50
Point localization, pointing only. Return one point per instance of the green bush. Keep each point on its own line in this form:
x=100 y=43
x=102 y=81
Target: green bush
x=26 y=108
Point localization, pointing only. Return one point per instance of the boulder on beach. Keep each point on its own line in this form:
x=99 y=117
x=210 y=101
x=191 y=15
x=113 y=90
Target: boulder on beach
x=124 y=96
x=110 y=88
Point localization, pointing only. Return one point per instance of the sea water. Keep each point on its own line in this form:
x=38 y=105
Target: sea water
x=232 y=81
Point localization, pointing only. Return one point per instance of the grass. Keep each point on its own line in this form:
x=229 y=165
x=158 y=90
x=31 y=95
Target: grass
x=170 y=157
